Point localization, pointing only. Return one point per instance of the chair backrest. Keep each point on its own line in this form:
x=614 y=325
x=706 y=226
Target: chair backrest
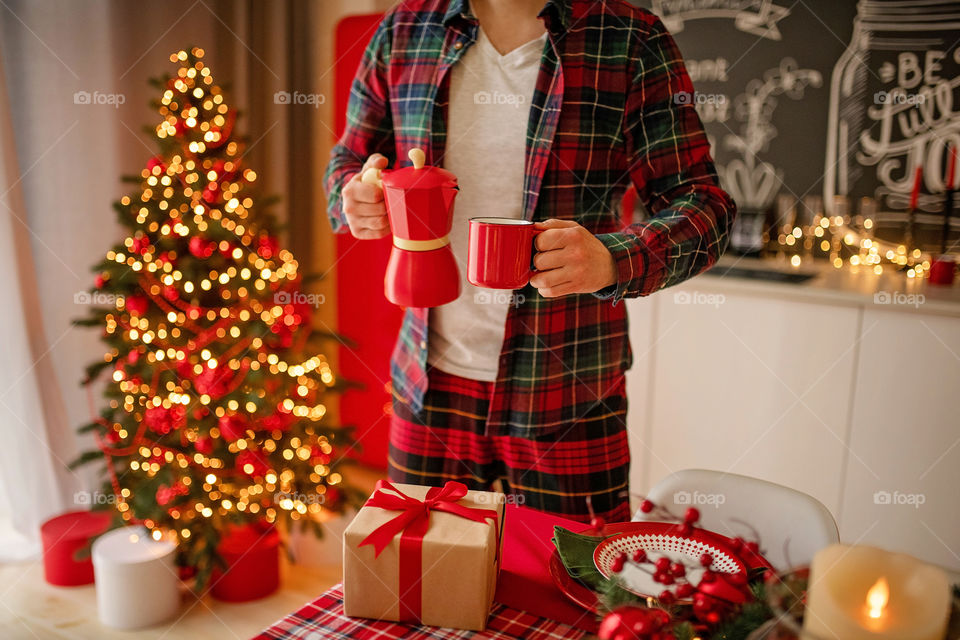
x=791 y=526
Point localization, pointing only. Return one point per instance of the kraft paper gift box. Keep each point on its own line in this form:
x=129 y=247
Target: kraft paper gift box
x=451 y=583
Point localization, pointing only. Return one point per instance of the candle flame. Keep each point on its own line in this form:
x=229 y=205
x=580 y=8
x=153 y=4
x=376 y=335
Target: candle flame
x=877 y=598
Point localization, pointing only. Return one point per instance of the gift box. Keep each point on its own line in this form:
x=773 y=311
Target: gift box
x=64 y=538
x=424 y=555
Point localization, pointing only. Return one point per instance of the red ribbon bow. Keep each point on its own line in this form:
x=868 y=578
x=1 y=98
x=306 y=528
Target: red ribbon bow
x=412 y=524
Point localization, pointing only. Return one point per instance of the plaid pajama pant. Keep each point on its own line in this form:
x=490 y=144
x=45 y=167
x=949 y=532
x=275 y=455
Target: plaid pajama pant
x=554 y=472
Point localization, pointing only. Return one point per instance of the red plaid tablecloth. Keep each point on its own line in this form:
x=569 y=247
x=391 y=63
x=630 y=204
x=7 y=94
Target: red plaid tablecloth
x=323 y=618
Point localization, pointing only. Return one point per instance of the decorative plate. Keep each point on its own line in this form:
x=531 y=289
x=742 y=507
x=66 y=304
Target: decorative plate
x=660 y=539
x=575 y=591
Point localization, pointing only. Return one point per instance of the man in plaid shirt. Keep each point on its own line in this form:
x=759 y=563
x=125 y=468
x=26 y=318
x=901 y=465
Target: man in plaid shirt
x=607 y=105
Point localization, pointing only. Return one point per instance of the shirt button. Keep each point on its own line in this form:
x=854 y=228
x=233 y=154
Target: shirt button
x=458 y=46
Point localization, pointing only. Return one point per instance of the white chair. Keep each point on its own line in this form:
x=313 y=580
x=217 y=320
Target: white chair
x=791 y=525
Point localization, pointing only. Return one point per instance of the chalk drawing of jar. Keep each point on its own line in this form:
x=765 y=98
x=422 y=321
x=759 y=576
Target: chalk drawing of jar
x=894 y=104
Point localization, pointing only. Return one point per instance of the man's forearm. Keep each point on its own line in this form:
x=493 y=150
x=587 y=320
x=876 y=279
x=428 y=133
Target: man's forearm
x=682 y=240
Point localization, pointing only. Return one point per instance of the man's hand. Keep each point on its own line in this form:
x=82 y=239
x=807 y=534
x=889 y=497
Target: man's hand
x=570 y=259
x=363 y=204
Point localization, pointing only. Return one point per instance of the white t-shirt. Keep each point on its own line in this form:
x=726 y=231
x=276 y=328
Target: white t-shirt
x=490 y=96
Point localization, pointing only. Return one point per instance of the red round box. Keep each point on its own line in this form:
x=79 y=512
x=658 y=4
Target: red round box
x=63 y=536
x=251 y=553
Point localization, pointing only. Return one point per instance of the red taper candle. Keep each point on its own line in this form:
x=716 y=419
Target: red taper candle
x=915 y=194
x=951 y=167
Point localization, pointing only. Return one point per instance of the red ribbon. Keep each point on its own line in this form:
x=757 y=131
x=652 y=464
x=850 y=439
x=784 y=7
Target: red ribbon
x=412 y=524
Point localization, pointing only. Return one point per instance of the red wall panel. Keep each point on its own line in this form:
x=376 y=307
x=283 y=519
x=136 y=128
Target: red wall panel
x=363 y=313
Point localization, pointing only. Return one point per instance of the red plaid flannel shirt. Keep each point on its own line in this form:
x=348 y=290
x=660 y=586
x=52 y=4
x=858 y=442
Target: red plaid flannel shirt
x=610 y=107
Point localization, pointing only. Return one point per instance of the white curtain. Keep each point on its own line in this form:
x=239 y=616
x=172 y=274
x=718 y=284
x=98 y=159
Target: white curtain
x=60 y=166
x=27 y=451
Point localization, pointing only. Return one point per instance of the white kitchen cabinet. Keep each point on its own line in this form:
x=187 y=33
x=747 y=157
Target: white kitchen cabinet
x=749 y=385
x=903 y=474
x=820 y=387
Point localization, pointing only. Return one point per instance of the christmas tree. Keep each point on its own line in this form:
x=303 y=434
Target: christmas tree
x=214 y=414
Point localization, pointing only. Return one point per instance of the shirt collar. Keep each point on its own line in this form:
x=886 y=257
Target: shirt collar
x=559 y=9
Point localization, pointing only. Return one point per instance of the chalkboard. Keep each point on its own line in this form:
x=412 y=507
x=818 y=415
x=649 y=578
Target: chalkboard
x=824 y=97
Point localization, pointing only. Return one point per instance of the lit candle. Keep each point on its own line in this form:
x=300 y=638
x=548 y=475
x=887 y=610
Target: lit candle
x=861 y=593
x=137 y=581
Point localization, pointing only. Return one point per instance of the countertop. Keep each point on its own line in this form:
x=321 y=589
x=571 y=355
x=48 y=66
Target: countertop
x=848 y=286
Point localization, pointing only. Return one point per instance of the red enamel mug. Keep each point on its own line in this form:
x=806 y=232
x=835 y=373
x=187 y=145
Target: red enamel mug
x=499 y=252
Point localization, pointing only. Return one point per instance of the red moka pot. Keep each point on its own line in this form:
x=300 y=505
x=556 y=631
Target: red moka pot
x=421 y=271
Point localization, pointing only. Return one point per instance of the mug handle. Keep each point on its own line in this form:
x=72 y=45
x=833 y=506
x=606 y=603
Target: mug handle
x=533 y=252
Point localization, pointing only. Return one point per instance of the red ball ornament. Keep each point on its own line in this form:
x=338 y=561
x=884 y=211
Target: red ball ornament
x=252 y=463
x=627 y=623
x=233 y=427
x=211 y=193
x=707 y=609
x=267 y=246
x=659 y=617
x=201 y=247
x=666 y=598
x=662 y=564
x=691 y=516
x=204 y=445
x=212 y=382
x=640 y=555
x=685 y=530
x=99 y=281
x=278 y=421
x=685 y=590
x=678 y=570
x=136 y=304
x=156 y=161
x=706 y=560
x=162 y=420
x=646 y=506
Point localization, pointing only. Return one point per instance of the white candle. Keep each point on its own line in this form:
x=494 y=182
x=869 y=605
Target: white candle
x=136 y=578
x=865 y=593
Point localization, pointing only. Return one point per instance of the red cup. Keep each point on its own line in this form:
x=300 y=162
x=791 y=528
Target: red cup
x=942 y=270
x=499 y=252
